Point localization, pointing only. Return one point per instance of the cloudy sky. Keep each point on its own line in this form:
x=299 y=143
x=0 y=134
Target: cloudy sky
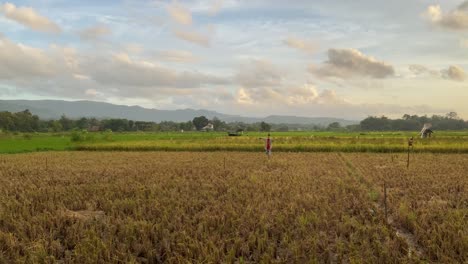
x=335 y=58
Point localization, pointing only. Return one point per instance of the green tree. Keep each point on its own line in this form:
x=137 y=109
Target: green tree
x=373 y=123
x=265 y=127
x=452 y=115
x=56 y=126
x=115 y=124
x=218 y=124
x=7 y=121
x=200 y=122
x=283 y=128
x=131 y=125
x=334 y=126
x=82 y=123
x=66 y=123
x=186 y=126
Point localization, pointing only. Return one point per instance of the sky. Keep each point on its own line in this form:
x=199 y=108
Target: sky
x=334 y=58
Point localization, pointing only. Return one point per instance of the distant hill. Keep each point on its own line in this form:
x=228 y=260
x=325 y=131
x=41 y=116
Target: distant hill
x=53 y=109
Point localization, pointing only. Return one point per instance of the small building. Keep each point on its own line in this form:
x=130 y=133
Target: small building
x=208 y=127
x=427 y=133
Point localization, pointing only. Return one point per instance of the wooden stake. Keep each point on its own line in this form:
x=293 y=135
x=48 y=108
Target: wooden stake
x=385 y=202
x=410 y=146
x=407 y=163
x=224 y=163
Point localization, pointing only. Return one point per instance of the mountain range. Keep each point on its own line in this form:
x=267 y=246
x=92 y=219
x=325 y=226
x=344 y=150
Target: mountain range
x=54 y=109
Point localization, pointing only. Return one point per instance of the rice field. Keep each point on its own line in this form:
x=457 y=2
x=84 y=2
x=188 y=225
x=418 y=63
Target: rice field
x=294 y=143
x=374 y=142
x=232 y=207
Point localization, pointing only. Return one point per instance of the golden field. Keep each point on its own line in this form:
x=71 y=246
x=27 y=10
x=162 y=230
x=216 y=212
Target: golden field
x=232 y=207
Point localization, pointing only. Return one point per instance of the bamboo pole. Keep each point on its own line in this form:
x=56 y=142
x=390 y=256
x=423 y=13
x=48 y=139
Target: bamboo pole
x=410 y=146
x=407 y=163
x=385 y=203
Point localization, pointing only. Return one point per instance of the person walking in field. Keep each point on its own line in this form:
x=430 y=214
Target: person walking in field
x=268 y=145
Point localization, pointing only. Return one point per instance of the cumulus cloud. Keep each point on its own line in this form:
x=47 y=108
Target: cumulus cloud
x=418 y=70
x=194 y=37
x=63 y=71
x=454 y=73
x=95 y=32
x=52 y=71
x=259 y=73
x=29 y=18
x=19 y=61
x=179 y=13
x=456 y=19
x=304 y=95
x=92 y=93
x=303 y=45
x=312 y=102
x=122 y=70
x=348 y=63
x=181 y=56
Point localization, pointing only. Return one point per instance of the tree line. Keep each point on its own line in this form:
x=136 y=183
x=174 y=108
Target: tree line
x=25 y=121
x=450 y=121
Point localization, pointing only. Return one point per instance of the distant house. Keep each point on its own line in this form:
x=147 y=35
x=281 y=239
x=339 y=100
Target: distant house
x=208 y=127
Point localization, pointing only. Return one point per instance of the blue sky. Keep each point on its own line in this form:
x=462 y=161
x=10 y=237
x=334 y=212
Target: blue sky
x=310 y=58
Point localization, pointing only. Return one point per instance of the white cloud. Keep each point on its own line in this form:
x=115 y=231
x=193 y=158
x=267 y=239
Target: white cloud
x=294 y=96
x=310 y=102
x=259 y=73
x=81 y=77
x=61 y=70
x=122 y=70
x=29 y=18
x=454 y=73
x=179 y=13
x=181 y=56
x=211 y=7
x=202 y=39
x=348 y=63
x=19 y=61
x=92 y=93
x=95 y=32
x=419 y=70
x=456 y=19
x=303 y=45
x=243 y=97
